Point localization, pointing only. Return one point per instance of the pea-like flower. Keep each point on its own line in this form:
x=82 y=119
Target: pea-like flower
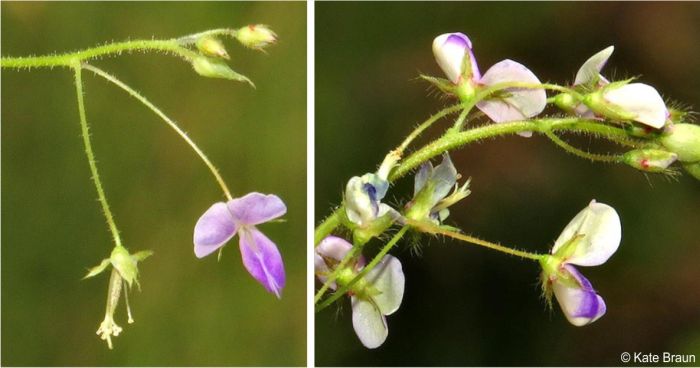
x=222 y=221
x=363 y=195
x=622 y=101
x=453 y=53
x=431 y=188
x=378 y=294
x=590 y=239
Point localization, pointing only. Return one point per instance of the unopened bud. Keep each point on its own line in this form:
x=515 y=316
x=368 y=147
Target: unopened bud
x=684 y=140
x=214 y=68
x=256 y=36
x=211 y=46
x=566 y=102
x=649 y=159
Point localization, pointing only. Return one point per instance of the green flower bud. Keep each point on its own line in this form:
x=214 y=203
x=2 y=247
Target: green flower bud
x=566 y=102
x=211 y=46
x=213 y=68
x=649 y=159
x=256 y=36
x=693 y=169
x=597 y=102
x=684 y=140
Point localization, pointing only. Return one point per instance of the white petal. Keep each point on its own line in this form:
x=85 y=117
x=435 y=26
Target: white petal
x=521 y=103
x=600 y=226
x=388 y=278
x=369 y=324
x=592 y=67
x=640 y=99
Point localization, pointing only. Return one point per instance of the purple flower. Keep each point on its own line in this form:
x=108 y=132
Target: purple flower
x=240 y=215
x=374 y=297
x=511 y=104
x=590 y=239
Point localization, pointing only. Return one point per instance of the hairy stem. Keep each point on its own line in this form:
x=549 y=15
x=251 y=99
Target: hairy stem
x=433 y=229
x=69 y=59
x=85 y=130
x=168 y=121
x=581 y=153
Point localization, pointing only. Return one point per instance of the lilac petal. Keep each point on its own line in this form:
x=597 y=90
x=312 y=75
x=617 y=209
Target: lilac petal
x=422 y=176
x=388 y=278
x=590 y=70
x=581 y=304
x=601 y=229
x=521 y=103
x=369 y=324
x=333 y=247
x=256 y=208
x=213 y=230
x=445 y=177
x=321 y=270
x=262 y=259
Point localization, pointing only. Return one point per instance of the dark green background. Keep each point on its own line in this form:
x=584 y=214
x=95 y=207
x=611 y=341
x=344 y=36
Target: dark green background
x=190 y=311
x=466 y=305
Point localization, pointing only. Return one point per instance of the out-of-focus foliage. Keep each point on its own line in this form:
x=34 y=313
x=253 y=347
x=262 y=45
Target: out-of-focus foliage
x=190 y=311
x=470 y=306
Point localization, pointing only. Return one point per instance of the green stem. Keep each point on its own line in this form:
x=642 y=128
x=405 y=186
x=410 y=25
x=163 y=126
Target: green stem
x=69 y=59
x=85 y=130
x=426 y=124
x=168 y=121
x=581 y=153
x=432 y=229
x=455 y=139
x=344 y=289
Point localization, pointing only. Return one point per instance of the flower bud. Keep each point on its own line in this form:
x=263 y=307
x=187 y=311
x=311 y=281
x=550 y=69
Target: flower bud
x=454 y=56
x=211 y=46
x=566 y=102
x=649 y=159
x=256 y=36
x=213 y=68
x=684 y=140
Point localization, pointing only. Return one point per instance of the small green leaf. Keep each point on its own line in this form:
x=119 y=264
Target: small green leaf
x=97 y=269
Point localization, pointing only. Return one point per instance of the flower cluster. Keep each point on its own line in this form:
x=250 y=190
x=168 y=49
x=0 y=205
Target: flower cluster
x=374 y=296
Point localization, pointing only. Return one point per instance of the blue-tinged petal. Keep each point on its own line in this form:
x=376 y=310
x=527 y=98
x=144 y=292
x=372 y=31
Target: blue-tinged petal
x=422 y=176
x=579 y=302
x=256 y=208
x=369 y=323
x=213 y=230
x=450 y=49
x=445 y=177
x=262 y=259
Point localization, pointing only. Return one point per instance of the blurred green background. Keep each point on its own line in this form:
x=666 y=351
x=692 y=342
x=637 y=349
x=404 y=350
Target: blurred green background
x=466 y=305
x=190 y=311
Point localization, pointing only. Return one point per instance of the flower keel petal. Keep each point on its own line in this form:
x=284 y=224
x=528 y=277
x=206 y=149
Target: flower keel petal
x=262 y=259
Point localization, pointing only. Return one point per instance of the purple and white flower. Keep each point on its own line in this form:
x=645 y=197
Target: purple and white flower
x=363 y=195
x=222 y=221
x=374 y=297
x=511 y=104
x=590 y=239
